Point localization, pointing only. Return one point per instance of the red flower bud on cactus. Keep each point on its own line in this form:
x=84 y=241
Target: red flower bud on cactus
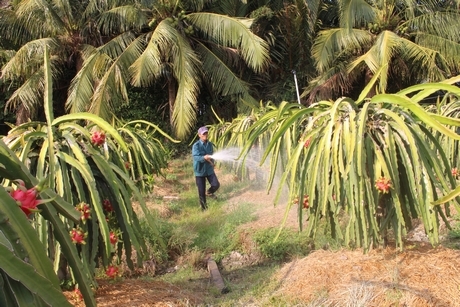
x=98 y=138
x=127 y=165
x=383 y=185
x=26 y=199
x=78 y=236
x=113 y=238
x=112 y=271
x=107 y=206
x=305 y=202
x=455 y=172
x=85 y=211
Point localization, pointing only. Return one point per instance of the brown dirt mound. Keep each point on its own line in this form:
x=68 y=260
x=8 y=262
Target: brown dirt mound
x=420 y=277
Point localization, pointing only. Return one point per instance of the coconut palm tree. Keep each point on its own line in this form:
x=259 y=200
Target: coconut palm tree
x=289 y=27
x=68 y=28
x=408 y=42
x=183 y=44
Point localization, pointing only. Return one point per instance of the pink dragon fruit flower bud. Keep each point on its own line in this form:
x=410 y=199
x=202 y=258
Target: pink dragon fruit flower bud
x=112 y=271
x=78 y=236
x=98 y=138
x=26 y=198
x=107 y=205
x=113 y=238
x=383 y=185
x=85 y=211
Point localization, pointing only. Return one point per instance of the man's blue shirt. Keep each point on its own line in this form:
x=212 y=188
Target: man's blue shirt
x=200 y=166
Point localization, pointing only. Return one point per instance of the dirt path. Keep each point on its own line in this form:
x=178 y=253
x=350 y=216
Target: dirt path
x=266 y=213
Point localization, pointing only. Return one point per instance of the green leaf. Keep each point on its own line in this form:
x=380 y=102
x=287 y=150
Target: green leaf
x=21 y=225
x=26 y=274
x=95 y=119
x=48 y=106
x=83 y=276
x=417 y=110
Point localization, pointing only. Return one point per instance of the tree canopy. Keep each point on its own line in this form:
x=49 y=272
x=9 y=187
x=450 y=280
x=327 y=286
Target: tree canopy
x=232 y=51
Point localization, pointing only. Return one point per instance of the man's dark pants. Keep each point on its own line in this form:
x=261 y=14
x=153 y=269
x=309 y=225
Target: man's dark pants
x=201 y=184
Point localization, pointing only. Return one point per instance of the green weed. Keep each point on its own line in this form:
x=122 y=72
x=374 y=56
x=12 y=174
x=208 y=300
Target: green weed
x=288 y=244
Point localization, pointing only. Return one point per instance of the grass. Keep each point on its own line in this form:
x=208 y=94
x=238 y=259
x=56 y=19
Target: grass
x=192 y=235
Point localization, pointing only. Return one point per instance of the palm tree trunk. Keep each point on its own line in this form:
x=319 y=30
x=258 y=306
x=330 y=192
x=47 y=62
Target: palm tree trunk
x=172 y=89
x=22 y=115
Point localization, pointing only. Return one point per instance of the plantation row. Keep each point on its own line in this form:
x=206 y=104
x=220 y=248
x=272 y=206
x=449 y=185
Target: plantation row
x=368 y=167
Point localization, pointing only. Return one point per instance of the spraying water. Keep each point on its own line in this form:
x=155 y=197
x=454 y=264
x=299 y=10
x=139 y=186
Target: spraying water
x=228 y=154
x=232 y=154
x=249 y=166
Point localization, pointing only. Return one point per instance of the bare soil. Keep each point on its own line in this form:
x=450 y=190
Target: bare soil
x=420 y=276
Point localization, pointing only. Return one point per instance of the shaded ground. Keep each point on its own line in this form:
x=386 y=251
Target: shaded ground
x=418 y=277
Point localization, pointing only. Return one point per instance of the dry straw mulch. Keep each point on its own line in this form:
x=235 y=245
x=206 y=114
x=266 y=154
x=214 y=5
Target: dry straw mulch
x=414 y=278
x=139 y=293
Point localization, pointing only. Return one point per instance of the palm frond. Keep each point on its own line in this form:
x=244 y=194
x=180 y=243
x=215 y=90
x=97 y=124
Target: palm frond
x=309 y=11
x=147 y=67
x=121 y=19
x=82 y=85
x=12 y=29
x=112 y=88
x=233 y=32
x=424 y=61
x=30 y=53
x=354 y=13
x=167 y=45
x=186 y=68
x=6 y=55
x=330 y=42
x=221 y=78
x=98 y=66
x=449 y=49
x=30 y=93
x=67 y=9
x=40 y=16
x=442 y=24
x=377 y=57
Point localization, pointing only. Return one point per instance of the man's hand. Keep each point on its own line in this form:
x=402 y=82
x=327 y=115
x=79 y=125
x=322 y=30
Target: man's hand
x=207 y=158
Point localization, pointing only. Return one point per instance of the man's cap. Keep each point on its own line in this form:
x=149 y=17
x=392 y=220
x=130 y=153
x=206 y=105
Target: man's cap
x=202 y=130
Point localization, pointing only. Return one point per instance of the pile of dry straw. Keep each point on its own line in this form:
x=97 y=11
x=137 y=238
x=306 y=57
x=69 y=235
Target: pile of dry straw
x=419 y=277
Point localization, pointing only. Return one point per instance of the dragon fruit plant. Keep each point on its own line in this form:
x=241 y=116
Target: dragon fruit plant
x=81 y=161
x=367 y=165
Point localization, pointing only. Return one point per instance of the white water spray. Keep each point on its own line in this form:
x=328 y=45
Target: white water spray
x=247 y=166
x=228 y=154
x=232 y=154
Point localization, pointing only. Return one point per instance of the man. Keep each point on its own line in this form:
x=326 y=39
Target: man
x=203 y=167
